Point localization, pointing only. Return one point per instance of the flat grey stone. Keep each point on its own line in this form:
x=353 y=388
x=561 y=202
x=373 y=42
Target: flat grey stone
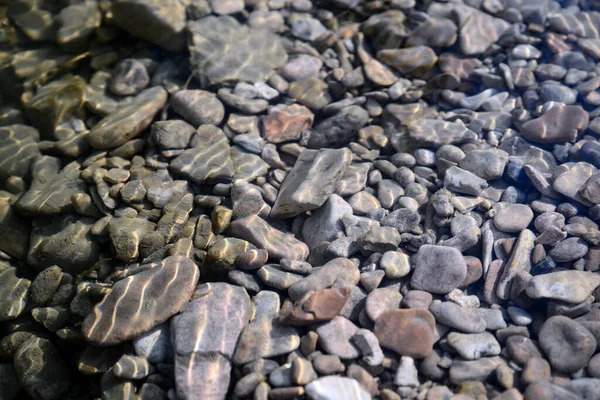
x=438 y=269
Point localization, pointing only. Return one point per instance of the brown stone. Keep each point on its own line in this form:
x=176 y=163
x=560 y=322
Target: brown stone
x=558 y=125
x=521 y=349
x=285 y=123
x=536 y=370
x=319 y=306
x=407 y=332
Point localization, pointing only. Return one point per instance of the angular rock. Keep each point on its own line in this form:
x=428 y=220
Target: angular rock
x=519 y=261
x=142 y=301
x=311 y=181
x=222 y=50
x=126 y=235
x=14 y=229
x=337 y=271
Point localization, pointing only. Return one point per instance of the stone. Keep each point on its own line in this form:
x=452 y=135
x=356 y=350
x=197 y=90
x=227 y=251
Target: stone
x=513 y=218
x=462 y=181
x=318 y=306
x=302 y=67
x=476 y=370
x=161 y=23
x=41 y=371
x=221 y=256
x=324 y=224
x=337 y=130
x=547 y=390
x=65 y=241
x=407 y=332
x=51 y=188
x=569 y=249
x=311 y=92
x=407 y=374
x=253 y=346
x=278 y=244
x=307 y=28
x=488 y=164
x=209 y=161
x=215 y=61
x=18 y=150
x=472 y=346
x=335 y=338
x=130 y=309
x=153 y=344
x=413 y=60
x=558 y=125
x=395 y=264
x=521 y=348
x=336 y=387
x=436 y=133
x=198 y=107
x=571 y=286
x=272 y=275
x=170 y=135
x=285 y=123
x=222 y=7
x=454 y=316
x=311 y=181
x=478 y=30
x=340 y=270
x=132 y=367
x=204 y=338
x=572 y=181
x=128 y=121
x=519 y=261
x=129 y=78
x=15 y=230
x=368 y=344
x=379 y=239
x=438 y=269
x=381 y=300
x=402 y=219
x=536 y=370
x=126 y=235
x=567 y=344
x=14 y=291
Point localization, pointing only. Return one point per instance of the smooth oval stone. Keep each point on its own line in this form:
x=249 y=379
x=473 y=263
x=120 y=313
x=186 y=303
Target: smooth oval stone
x=558 y=125
x=407 y=332
x=415 y=60
x=568 y=344
x=129 y=78
x=128 y=121
x=336 y=387
x=335 y=338
x=140 y=302
x=513 y=218
x=198 y=107
x=438 y=269
x=569 y=249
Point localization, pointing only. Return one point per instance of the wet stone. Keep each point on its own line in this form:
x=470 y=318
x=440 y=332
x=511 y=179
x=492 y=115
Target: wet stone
x=202 y=352
x=247 y=166
x=567 y=344
x=159 y=22
x=311 y=181
x=41 y=371
x=487 y=164
x=255 y=55
x=221 y=255
x=478 y=29
x=395 y=264
x=311 y=92
x=128 y=121
x=337 y=130
x=126 y=235
x=381 y=300
x=14 y=291
x=65 y=241
x=379 y=239
x=412 y=60
x=14 y=229
x=198 y=107
x=129 y=78
x=454 y=316
x=338 y=269
x=210 y=162
x=285 y=123
x=569 y=249
x=153 y=344
x=18 y=149
x=407 y=332
x=301 y=67
x=436 y=133
x=169 y=135
x=137 y=308
x=559 y=124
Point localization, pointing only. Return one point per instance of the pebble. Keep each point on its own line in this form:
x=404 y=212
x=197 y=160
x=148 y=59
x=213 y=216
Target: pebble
x=558 y=125
x=335 y=338
x=454 y=316
x=473 y=346
x=395 y=264
x=438 y=269
x=336 y=387
x=568 y=345
x=570 y=286
x=406 y=332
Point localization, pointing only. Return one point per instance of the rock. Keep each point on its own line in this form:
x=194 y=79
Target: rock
x=204 y=352
x=128 y=121
x=14 y=292
x=126 y=235
x=278 y=244
x=454 y=316
x=169 y=135
x=153 y=344
x=433 y=32
x=318 y=306
x=9 y=385
x=325 y=224
x=402 y=219
x=208 y=161
x=569 y=249
x=77 y=22
x=407 y=374
x=129 y=78
x=335 y=338
x=147 y=308
x=411 y=60
x=227 y=6
x=520 y=260
x=337 y=130
x=536 y=370
x=462 y=181
x=198 y=107
x=379 y=239
x=51 y=188
x=18 y=149
x=311 y=181
x=301 y=67
x=558 y=125
x=340 y=270
x=311 y=92
x=488 y=164
x=438 y=269
x=571 y=286
x=41 y=371
x=474 y=345
x=381 y=300
x=513 y=218
x=13 y=228
x=407 y=332
x=285 y=123
x=478 y=30
x=436 y=133
x=132 y=367
x=395 y=264
x=546 y=390
x=336 y=387
x=51 y=318
x=221 y=256
x=215 y=61
x=159 y=22
x=368 y=344
x=65 y=241
x=307 y=28
x=572 y=181
x=476 y=370
x=568 y=345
